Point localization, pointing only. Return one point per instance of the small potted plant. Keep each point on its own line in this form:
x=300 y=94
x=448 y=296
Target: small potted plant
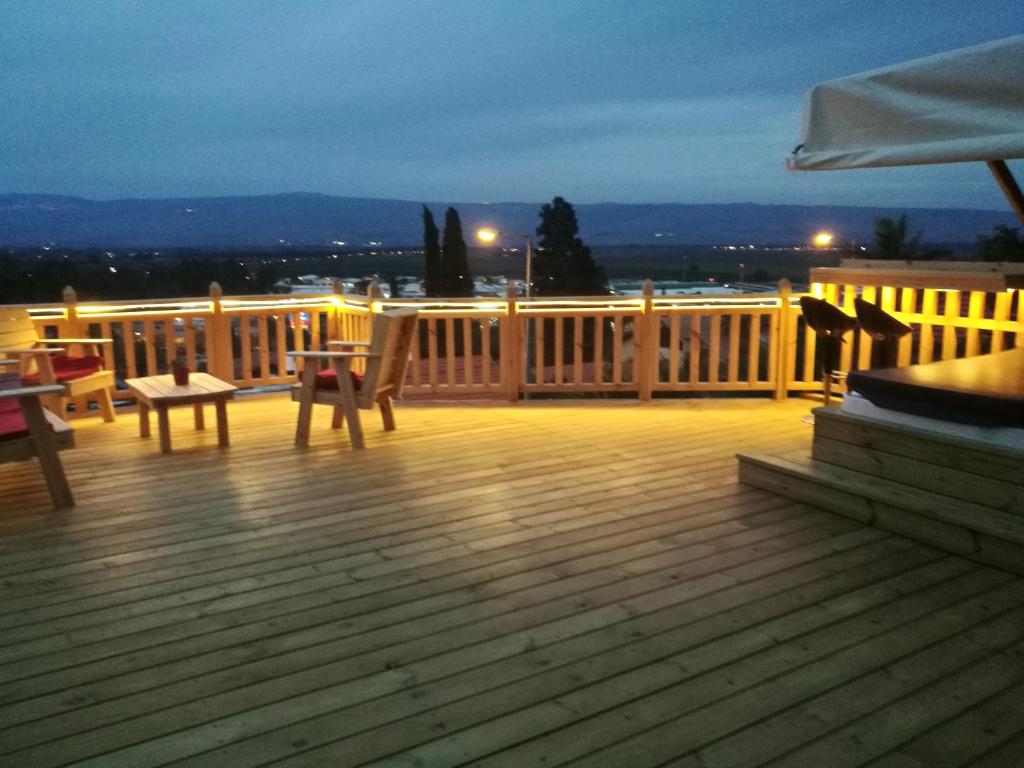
x=179 y=369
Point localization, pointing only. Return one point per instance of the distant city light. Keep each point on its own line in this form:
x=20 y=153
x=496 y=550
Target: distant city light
x=823 y=239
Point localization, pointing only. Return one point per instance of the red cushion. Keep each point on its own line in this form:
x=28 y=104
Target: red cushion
x=12 y=423
x=68 y=368
x=327 y=379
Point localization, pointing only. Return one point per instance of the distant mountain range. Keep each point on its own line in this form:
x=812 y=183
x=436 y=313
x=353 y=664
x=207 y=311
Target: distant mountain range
x=314 y=219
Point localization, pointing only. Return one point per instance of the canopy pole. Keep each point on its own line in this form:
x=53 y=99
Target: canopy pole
x=1009 y=186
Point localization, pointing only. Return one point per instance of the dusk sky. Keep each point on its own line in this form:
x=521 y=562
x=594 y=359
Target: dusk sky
x=473 y=100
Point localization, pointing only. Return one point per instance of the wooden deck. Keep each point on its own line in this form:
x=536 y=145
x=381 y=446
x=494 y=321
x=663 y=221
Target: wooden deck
x=541 y=584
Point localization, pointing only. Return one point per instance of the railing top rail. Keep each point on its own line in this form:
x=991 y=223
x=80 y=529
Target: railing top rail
x=1003 y=267
x=938 y=279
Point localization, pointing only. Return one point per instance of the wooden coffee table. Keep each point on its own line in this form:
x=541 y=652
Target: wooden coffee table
x=161 y=393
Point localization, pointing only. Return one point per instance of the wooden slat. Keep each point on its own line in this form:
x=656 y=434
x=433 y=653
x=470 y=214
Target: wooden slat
x=908 y=302
x=774 y=347
x=715 y=350
x=577 y=351
x=449 y=348
x=559 y=350
x=128 y=335
x=467 y=350
x=538 y=324
x=865 y=344
x=190 y=343
x=316 y=318
x=414 y=365
x=1001 y=312
x=809 y=352
x=929 y=308
x=734 y=348
x=432 y=353
x=617 y=349
x=754 y=349
x=846 y=351
x=675 y=349
x=281 y=345
x=485 y=352
x=298 y=339
x=951 y=311
x=599 y=326
x=975 y=311
x=263 y=338
x=107 y=350
x=170 y=342
x=695 y=347
x=149 y=337
x=245 y=339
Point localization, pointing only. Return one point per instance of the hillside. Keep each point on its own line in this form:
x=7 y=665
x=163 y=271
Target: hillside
x=312 y=219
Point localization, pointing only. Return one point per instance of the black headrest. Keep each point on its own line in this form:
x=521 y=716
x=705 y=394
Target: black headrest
x=825 y=318
x=877 y=323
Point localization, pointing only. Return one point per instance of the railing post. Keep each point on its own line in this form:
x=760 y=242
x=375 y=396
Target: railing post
x=70 y=328
x=645 y=359
x=783 y=368
x=220 y=354
x=372 y=295
x=510 y=343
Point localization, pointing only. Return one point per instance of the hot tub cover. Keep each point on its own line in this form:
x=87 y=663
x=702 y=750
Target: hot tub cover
x=987 y=390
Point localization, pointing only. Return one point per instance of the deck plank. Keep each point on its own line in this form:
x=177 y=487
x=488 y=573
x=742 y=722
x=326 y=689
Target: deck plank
x=504 y=585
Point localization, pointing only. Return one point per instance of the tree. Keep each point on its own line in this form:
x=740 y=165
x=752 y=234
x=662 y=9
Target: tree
x=1004 y=244
x=433 y=281
x=454 y=258
x=563 y=265
x=891 y=239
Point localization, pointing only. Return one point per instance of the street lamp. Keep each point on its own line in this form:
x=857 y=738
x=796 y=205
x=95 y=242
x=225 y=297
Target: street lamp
x=488 y=235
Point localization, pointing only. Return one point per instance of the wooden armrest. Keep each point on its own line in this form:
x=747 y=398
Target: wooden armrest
x=43 y=389
x=332 y=355
x=34 y=351
x=76 y=341
x=348 y=343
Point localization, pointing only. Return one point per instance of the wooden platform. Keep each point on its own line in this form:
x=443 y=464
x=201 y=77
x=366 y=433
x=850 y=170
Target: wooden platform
x=962 y=495
x=539 y=584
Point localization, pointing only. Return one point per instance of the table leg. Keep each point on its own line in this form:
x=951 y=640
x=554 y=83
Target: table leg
x=222 y=424
x=164 y=426
x=143 y=419
x=200 y=422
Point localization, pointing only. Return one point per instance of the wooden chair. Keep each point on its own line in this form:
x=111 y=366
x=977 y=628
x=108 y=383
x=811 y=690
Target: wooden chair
x=28 y=430
x=387 y=358
x=81 y=377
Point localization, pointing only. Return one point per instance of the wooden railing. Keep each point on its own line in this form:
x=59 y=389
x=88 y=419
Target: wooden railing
x=961 y=310
x=510 y=346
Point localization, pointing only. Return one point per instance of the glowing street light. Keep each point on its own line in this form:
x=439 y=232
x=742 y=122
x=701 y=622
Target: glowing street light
x=488 y=235
x=823 y=239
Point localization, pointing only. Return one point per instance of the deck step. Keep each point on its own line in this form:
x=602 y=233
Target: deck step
x=968 y=470
x=990 y=535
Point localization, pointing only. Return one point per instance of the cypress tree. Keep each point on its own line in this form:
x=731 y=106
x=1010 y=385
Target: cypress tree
x=563 y=265
x=454 y=258
x=433 y=282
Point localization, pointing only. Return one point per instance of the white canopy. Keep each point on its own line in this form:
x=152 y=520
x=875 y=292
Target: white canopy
x=959 y=106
